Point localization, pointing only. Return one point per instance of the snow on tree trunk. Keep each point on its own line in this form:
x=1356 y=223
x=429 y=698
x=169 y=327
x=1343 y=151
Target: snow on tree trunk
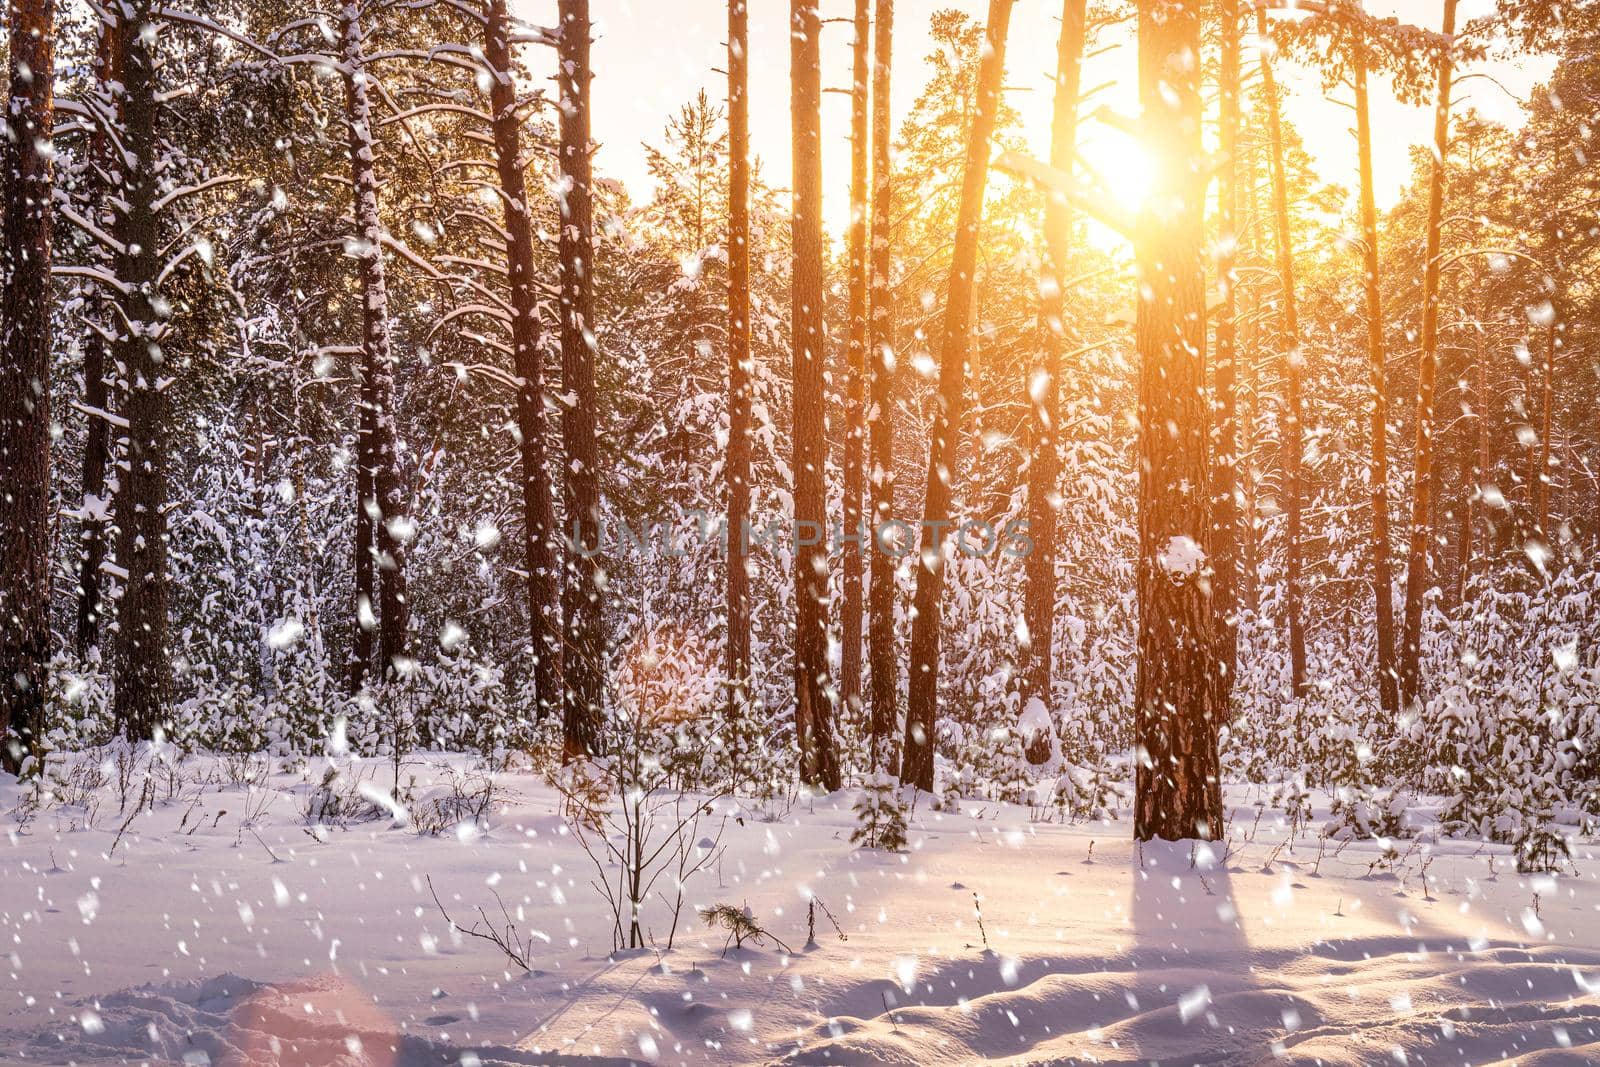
x=1038 y=731
x=583 y=659
x=1177 y=794
x=819 y=762
x=955 y=342
x=25 y=533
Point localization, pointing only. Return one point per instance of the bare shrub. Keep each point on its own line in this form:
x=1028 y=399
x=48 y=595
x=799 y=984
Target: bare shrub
x=339 y=801
x=464 y=797
x=636 y=823
x=513 y=944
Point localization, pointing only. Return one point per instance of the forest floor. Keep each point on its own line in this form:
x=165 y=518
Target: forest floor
x=216 y=925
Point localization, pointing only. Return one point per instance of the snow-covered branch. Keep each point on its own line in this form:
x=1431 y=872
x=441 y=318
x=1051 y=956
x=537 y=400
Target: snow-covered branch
x=199 y=187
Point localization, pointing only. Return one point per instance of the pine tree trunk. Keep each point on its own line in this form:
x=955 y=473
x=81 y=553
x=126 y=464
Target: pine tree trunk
x=1464 y=533
x=1427 y=373
x=1293 y=360
x=819 y=762
x=143 y=674
x=1177 y=790
x=96 y=396
x=25 y=532
x=300 y=443
x=96 y=457
x=1528 y=456
x=880 y=416
x=1044 y=462
x=1249 y=568
x=583 y=663
x=1541 y=478
x=955 y=341
x=739 y=366
x=1249 y=575
x=855 y=427
x=1225 y=462
x=1480 y=464
x=538 y=509
x=1382 y=571
x=363 y=642
x=391 y=525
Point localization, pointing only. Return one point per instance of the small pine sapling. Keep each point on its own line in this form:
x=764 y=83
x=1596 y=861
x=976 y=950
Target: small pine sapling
x=1540 y=850
x=741 y=926
x=1363 y=807
x=1084 y=794
x=1011 y=773
x=881 y=818
x=1293 y=799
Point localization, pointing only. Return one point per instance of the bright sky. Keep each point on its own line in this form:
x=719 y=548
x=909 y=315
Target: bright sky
x=651 y=56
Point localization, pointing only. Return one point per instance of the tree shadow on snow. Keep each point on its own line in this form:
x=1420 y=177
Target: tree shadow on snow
x=1199 y=993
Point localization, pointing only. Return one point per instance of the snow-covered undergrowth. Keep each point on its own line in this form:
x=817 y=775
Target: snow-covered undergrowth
x=227 y=910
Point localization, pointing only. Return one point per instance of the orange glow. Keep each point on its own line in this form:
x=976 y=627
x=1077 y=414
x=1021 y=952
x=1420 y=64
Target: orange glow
x=1123 y=166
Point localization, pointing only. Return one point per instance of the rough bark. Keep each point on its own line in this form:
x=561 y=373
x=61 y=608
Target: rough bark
x=96 y=458
x=1382 y=570
x=583 y=660
x=885 y=662
x=1541 y=474
x=94 y=532
x=1427 y=375
x=142 y=672
x=739 y=366
x=1177 y=792
x=1044 y=458
x=819 y=763
x=1480 y=465
x=1225 y=461
x=1293 y=362
x=25 y=532
x=391 y=522
x=955 y=342
x=538 y=508
x=855 y=427
x=1249 y=574
x=363 y=643
x=1463 y=516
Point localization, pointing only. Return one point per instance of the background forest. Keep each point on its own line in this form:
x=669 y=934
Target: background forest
x=325 y=414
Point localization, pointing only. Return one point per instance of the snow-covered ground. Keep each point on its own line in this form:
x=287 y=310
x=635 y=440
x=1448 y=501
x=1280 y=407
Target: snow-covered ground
x=220 y=927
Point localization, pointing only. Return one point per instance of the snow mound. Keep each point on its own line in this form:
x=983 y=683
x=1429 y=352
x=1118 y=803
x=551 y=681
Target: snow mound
x=1035 y=717
x=233 y=1022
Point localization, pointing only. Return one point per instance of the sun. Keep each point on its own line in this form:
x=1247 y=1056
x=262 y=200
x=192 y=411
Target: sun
x=1121 y=165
